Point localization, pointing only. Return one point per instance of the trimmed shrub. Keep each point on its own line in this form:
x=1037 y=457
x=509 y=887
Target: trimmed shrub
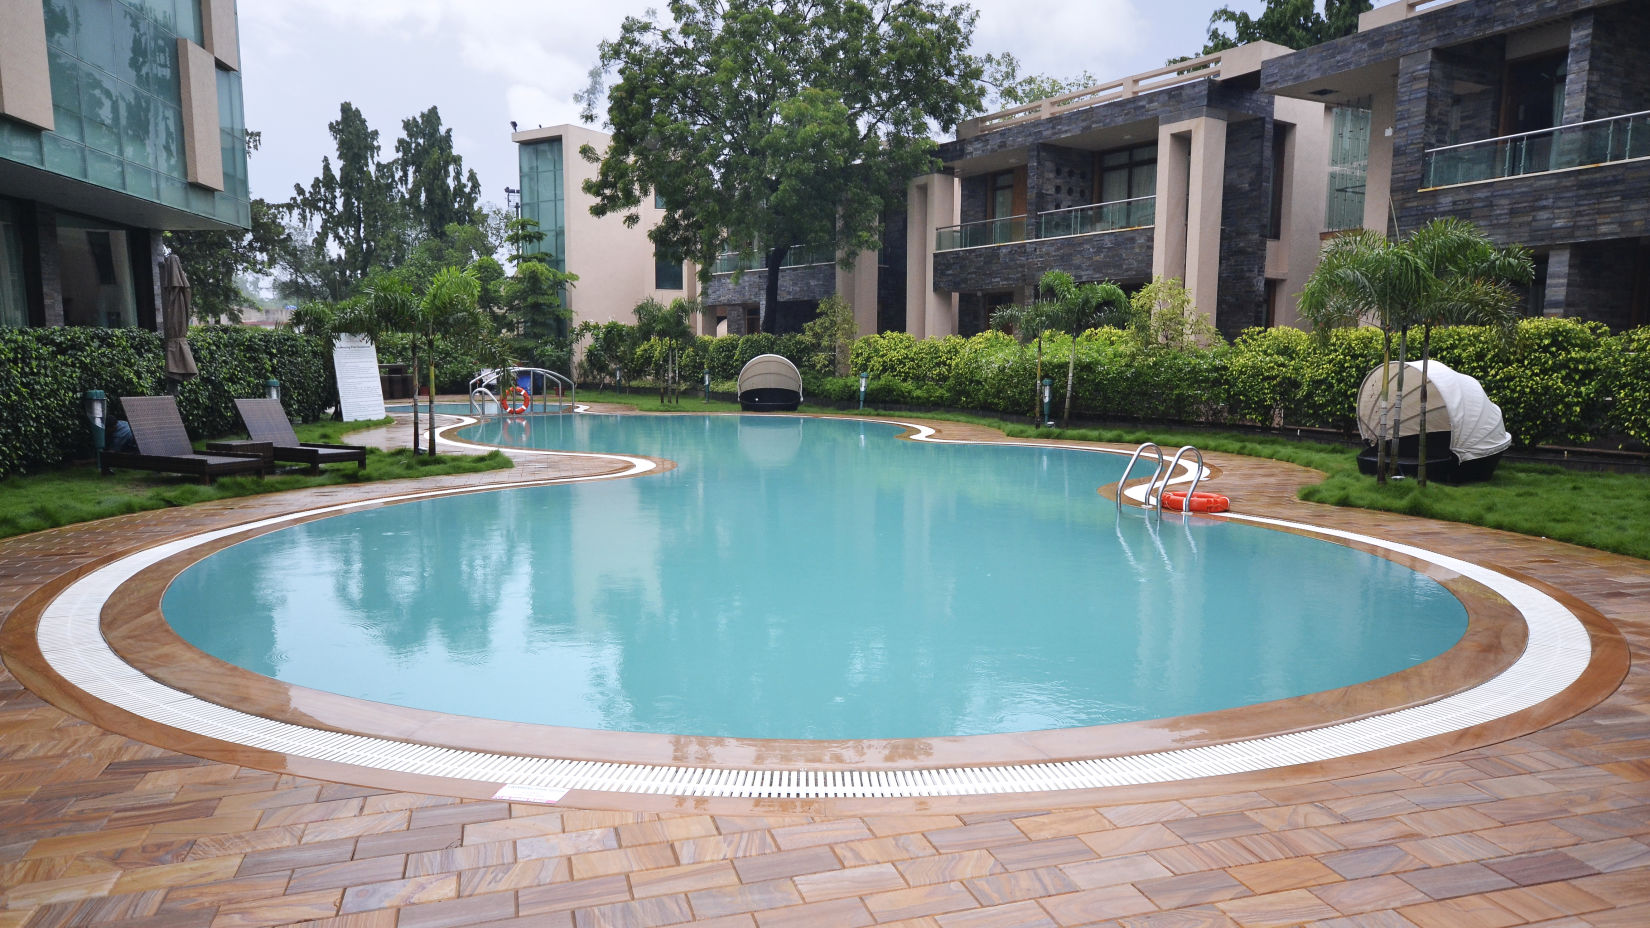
x=45 y=371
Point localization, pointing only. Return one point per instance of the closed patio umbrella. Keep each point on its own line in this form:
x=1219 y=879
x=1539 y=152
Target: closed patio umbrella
x=175 y=305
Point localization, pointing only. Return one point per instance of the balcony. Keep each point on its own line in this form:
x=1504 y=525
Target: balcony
x=984 y=232
x=1110 y=216
x=1562 y=148
x=1098 y=217
x=729 y=262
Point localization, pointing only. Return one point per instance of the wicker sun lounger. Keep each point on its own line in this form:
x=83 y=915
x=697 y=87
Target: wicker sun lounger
x=163 y=445
x=266 y=421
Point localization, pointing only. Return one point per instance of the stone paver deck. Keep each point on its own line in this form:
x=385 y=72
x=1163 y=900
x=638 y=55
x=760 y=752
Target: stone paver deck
x=1551 y=828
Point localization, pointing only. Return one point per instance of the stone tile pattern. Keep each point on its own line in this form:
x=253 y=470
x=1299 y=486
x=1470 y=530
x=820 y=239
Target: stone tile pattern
x=1549 y=829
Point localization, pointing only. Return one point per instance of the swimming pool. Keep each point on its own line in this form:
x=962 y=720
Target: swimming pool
x=806 y=578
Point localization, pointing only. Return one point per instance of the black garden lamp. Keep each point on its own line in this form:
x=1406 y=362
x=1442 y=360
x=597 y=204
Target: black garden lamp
x=272 y=389
x=96 y=404
x=864 y=378
x=1048 y=383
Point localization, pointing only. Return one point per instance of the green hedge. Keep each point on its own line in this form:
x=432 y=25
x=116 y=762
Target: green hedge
x=44 y=372
x=1556 y=380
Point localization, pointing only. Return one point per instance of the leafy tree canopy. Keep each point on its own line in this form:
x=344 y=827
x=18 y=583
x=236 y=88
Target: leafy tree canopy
x=1293 y=23
x=437 y=190
x=771 y=123
x=1011 y=88
x=216 y=261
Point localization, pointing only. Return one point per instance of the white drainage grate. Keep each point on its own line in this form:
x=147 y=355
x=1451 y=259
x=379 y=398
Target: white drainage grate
x=1558 y=651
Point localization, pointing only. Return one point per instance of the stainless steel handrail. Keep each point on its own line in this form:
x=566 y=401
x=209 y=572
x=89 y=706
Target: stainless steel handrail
x=1153 y=482
x=1186 y=504
x=479 y=409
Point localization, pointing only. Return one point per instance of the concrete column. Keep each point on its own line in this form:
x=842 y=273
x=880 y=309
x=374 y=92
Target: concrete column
x=1378 y=183
x=1556 y=297
x=933 y=203
x=859 y=288
x=1195 y=191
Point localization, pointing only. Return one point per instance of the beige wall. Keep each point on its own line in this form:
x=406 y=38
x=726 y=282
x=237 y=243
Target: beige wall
x=1290 y=259
x=614 y=262
x=932 y=203
x=859 y=288
x=202 y=151
x=25 y=82
x=1191 y=178
x=221 y=32
x=1383 y=112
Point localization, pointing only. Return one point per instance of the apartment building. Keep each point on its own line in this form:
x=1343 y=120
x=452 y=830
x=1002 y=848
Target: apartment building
x=1530 y=118
x=617 y=265
x=118 y=119
x=1188 y=171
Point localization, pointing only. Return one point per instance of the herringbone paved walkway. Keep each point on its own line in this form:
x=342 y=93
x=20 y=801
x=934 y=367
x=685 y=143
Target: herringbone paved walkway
x=1549 y=828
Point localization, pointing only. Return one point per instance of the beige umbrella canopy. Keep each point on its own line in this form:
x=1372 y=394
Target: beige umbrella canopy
x=175 y=307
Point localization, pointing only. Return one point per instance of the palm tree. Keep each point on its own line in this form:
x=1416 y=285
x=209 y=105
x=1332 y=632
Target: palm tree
x=1075 y=308
x=1025 y=322
x=448 y=308
x=1445 y=272
x=1474 y=287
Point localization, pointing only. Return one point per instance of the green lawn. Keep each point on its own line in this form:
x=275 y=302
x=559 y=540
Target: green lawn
x=79 y=493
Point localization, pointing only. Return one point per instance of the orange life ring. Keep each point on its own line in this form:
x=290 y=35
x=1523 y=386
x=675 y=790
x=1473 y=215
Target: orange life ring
x=516 y=400
x=1175 y=501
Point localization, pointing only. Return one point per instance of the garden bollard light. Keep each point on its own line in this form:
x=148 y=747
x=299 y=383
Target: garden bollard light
x=1048 y=382
x=272 y=388
x=97 y=406
x=707 y=384
x=863 y=377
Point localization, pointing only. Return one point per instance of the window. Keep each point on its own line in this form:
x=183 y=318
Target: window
x=667 y=272
x=1000 y=196
x=1534 y=95
x=1129 y=174
x=1348 y=167
x=658 y=200
x=14 y=306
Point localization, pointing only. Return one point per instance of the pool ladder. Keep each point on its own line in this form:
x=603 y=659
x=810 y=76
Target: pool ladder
x=1155 y=488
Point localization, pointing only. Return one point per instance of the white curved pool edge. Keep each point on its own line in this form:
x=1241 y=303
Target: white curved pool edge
x=1557 y=652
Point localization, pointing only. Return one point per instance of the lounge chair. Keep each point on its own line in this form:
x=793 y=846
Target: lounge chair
x=163 y=445
x=266 y=421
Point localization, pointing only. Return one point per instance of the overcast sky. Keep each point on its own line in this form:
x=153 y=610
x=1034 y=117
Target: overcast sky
x=486 y=62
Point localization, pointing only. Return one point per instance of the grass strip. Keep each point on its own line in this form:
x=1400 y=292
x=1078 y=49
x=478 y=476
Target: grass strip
x=79 y=493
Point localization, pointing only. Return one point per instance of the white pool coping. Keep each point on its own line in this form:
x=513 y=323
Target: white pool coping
x=71 y=640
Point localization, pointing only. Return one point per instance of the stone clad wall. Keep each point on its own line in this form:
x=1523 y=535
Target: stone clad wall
x=1246 y=203
x=1124 y=256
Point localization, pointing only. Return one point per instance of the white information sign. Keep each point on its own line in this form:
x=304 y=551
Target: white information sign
x=360 y=394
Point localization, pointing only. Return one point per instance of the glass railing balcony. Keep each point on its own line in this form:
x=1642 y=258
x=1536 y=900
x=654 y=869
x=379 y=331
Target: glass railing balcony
x=1582 y=144
x=799 y=256
x=1098 y=217
x=985 y=232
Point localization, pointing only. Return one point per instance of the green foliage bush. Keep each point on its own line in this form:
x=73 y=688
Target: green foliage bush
x=1556 y=380
x=44 y=372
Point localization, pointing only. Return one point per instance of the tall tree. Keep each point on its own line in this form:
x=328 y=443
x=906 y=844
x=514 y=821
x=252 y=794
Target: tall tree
x=216 y=261
x=765 y=124
x=1293 y=23
x=434 y=185
x=352 y=213
x=1011 y=88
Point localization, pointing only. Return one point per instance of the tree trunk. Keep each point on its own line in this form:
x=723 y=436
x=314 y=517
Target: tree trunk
x=415 y=395
x=770 y=309
x=1398 y=405
x=1071 y=373
x=1386 y=404
x=1421 y=444
x=432 y=401
x=1037 y=384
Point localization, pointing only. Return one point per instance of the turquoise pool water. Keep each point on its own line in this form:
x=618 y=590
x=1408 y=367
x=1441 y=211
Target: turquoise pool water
x=805 y=578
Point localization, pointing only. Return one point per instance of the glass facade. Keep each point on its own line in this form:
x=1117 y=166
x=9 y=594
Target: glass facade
x=118 y=109
x=667 y=272
x=96 y=269
x=1348 y=167
x=544 y=195
x=14 y=307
